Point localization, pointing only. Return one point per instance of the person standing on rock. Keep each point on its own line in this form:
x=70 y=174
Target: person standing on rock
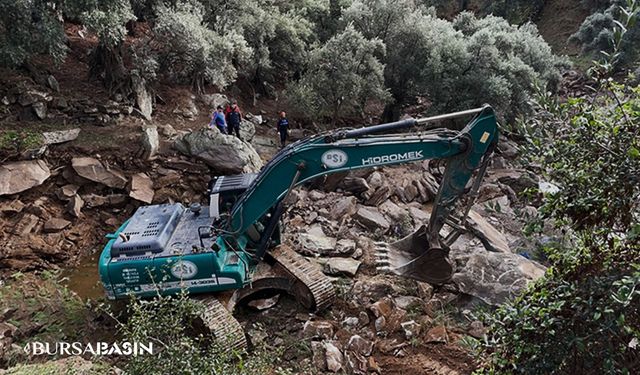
x=234 y=117
x=218 y=120
x=283 y=128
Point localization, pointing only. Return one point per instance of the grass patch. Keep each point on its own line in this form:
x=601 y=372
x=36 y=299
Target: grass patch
x=17 y=141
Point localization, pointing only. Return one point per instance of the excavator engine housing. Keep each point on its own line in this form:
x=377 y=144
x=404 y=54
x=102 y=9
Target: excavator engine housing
x=167 y=247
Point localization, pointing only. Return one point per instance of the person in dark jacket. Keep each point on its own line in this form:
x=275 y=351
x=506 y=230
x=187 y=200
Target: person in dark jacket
x=233 y=117
x=218 y=120
x=283 y=128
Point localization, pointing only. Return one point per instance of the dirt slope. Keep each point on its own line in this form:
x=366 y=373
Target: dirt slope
x=558 y=21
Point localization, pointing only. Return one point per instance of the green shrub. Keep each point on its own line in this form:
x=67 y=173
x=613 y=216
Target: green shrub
x=584 y=319
x=168 y=322
x=592 y=151
x=14 y=142
x=29 y=28
x=598 y=31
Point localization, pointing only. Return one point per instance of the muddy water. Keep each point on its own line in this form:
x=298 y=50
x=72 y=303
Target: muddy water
x=84 y=279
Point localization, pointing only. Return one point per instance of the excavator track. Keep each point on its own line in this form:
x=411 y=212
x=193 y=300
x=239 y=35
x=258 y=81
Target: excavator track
x=289 y=272
x=226 y=330
x=312 y=288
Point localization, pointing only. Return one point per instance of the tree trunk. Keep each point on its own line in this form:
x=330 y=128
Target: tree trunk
x=107 y=65
x=391 y=112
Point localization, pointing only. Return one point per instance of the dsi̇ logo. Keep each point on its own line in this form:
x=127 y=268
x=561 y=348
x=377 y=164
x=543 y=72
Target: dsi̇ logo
x=184 y=269
x=334 y=158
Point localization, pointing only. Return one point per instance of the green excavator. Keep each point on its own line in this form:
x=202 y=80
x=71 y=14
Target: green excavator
x=230 y=249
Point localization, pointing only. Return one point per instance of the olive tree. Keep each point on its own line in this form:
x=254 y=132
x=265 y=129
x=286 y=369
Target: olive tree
x=107 y=19
x=191 y=52
x=28 y=28
x=505 y=64
x=458 y=64
x=341 y=77
x=278 y=33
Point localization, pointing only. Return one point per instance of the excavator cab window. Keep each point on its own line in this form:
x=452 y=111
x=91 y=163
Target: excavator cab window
x=223 y=193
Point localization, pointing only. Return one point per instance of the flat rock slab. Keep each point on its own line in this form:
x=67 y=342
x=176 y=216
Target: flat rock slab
x=55 y=225
x=315 y=242
x=92 y=169
x=371 y=218
x=491 y=238
x=22 y=175
x=141 y=188
x=342 y=267
x=51 y=138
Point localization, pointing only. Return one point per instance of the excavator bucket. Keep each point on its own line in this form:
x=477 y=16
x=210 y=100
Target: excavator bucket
x=414 y=257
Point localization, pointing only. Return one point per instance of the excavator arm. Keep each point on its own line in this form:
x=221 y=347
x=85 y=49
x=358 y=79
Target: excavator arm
x=465 y=151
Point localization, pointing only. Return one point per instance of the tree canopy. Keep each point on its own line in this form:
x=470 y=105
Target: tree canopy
x=369 y=51
x=342 y=76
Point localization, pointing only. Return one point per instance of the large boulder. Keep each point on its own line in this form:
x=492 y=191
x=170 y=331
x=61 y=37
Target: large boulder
x=493 y=277
x=214 y=100
x=22 y=175
x=492 y=239
x=93 y=170
x=225 y=153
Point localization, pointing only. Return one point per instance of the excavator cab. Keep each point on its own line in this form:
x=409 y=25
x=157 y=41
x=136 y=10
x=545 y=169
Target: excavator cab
x=224 y=192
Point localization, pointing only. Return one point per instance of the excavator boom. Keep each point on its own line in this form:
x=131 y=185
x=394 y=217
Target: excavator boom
x=339 y=151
